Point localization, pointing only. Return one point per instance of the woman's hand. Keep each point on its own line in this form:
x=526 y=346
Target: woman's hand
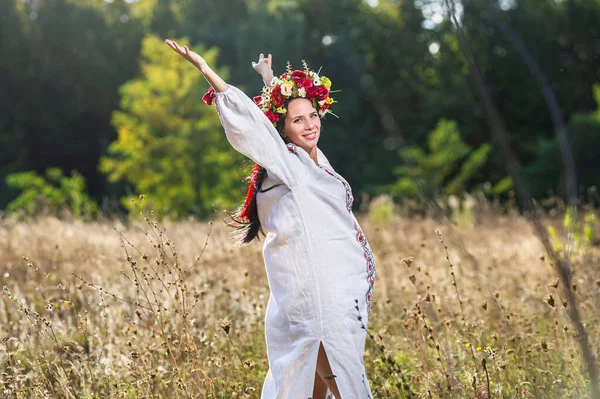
x=195 y=59
x=263 y=68
x=189 y=55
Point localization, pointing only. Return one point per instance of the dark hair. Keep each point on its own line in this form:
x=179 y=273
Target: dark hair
x=248 y=228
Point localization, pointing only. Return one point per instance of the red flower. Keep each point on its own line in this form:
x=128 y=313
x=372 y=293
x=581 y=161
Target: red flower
x=298 y=75
x=306 y=83
x=277 y=97
x=257 y=99
x=273 y=117
x=321 y=93
x=315 y=92
x=209 y=97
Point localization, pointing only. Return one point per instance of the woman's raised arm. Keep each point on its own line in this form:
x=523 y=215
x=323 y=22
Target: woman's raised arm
x=247 y=128
x=196 y=60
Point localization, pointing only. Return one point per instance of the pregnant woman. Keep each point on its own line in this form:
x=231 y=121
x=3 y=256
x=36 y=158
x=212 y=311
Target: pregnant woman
x=319 y=265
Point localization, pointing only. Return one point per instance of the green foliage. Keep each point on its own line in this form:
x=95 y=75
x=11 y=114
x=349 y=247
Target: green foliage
x=51 y=193
x=381 y=210
x=171 y=145
x=447 y=164
x=580 y=236
x=402 y=73
x=66 y=60
x=545 y=173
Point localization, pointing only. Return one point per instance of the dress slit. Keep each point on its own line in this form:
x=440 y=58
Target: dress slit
x=331 y=371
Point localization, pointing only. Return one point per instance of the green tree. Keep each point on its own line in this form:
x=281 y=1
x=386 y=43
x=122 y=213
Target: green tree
x=61 y=65
x=171 y=146
x=546 y=174
x=50 y=193
x=446 y=166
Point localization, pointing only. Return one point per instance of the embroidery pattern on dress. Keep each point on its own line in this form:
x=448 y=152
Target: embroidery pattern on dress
x=292 y=148
x=362 y=240
x=349 y=197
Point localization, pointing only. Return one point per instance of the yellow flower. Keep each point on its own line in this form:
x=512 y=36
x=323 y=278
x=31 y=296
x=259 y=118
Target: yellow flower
x=281 y=110
x=488 y=348
x=479 y=349
x=329 y=100
x=468 y=345
x=326 y=82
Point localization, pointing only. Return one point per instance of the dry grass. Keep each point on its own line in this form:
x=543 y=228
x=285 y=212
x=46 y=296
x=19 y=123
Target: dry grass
x=87 y=314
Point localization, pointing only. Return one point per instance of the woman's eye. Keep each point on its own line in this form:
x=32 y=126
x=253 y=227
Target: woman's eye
x=297 y=120
x=313 y=115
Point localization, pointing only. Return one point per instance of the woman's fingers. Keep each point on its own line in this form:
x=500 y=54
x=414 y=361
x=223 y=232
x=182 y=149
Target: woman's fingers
x=173 y=45
x=177 y=47
x=270 y=60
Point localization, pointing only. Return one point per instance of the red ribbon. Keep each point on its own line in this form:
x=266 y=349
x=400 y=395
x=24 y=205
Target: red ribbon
x=244 y=213
x=209 y=97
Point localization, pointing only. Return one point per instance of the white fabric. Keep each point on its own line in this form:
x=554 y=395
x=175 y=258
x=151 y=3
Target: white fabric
x=319 y=265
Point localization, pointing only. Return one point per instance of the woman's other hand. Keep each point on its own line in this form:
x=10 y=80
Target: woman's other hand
x=188 y=54
x=264 y=68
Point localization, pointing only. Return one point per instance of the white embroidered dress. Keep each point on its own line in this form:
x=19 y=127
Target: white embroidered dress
x=319 y=265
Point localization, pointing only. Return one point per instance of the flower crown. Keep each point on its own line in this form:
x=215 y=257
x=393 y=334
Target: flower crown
x=295 y=84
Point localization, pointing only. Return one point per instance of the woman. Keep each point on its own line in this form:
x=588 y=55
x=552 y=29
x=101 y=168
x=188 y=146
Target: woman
x=319 y=265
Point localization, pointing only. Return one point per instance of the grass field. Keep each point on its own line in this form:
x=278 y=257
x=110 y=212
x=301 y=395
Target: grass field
x=104 y=310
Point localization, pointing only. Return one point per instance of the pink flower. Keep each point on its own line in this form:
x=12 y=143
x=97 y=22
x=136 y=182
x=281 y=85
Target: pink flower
x=306 y=83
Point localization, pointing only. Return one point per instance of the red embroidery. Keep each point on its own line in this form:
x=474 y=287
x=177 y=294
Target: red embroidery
x=292 y=148
x=349 y=197
x=362 y=240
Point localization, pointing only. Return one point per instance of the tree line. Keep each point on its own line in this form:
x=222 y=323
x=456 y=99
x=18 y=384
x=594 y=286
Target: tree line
x=94 y=106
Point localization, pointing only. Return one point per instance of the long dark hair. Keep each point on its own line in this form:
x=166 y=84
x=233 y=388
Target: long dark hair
x=245 y=219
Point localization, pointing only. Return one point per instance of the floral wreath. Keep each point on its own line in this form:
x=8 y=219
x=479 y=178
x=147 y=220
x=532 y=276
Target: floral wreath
x=295 y=84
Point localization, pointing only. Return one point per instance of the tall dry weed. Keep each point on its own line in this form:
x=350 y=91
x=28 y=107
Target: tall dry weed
x=174 y=310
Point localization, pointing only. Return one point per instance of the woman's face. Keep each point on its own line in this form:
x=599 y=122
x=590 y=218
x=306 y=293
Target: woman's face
x=302 y=124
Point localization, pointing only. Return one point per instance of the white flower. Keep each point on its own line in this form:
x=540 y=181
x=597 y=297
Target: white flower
x=286 y=89
x=321 y=103
x=274 y=81
x=302 y=92
x=316 y=79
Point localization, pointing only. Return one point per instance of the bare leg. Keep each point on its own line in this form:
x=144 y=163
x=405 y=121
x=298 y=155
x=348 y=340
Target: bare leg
x=324 y=371
x=320 y=388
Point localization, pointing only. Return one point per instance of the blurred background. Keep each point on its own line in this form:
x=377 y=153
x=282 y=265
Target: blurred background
x=95 y=109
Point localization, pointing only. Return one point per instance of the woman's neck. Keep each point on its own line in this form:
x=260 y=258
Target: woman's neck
x=313 y=155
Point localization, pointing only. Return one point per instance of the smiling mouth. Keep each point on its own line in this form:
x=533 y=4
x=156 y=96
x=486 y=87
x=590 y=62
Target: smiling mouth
x=310 y=136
